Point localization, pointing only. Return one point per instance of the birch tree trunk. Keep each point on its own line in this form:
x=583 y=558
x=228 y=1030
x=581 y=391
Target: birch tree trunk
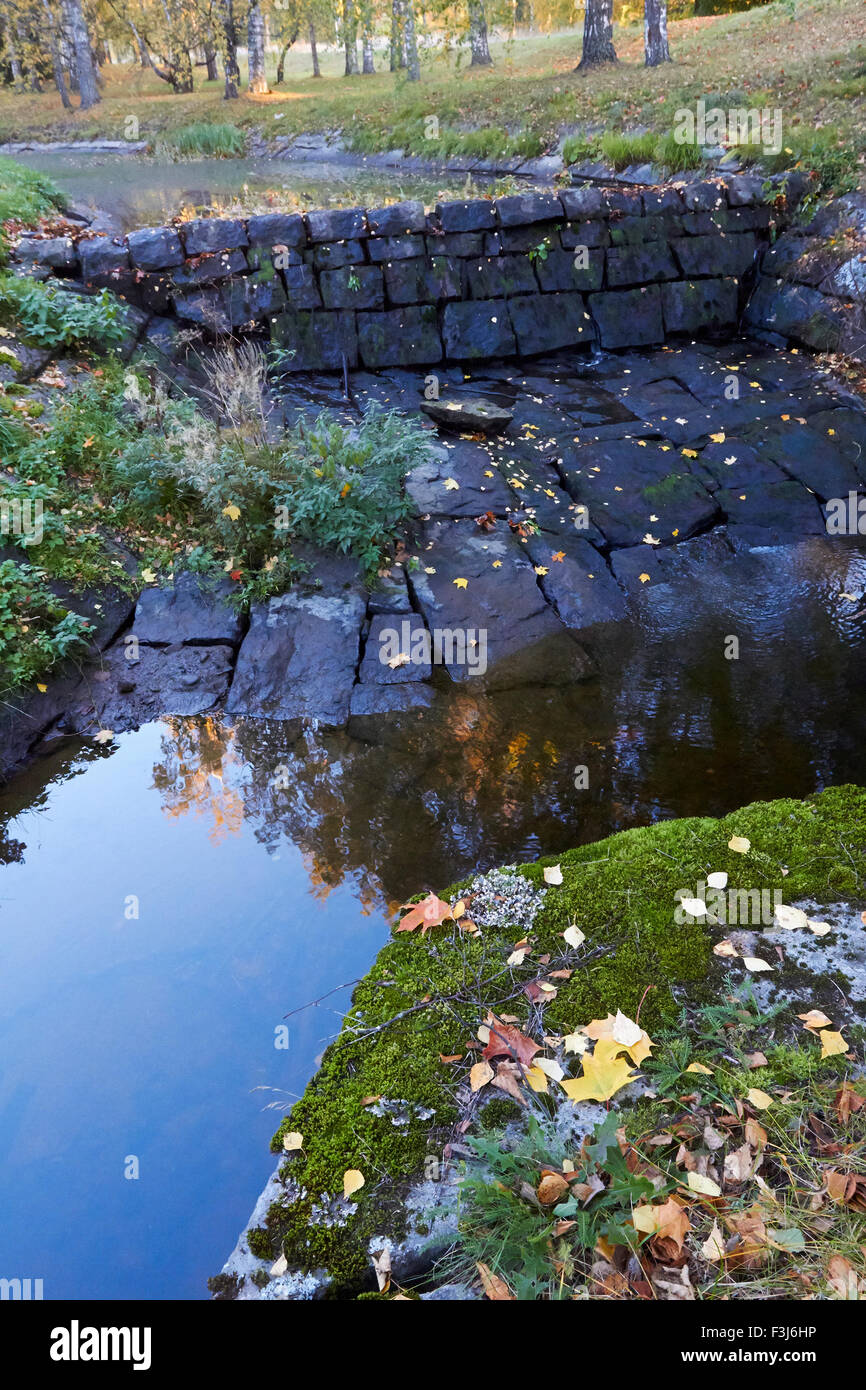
x=83 y=57
x=655 y=33
x=230 y=50
x=350 y=37
x=56 y=64
x=478 y=35
x=410 y=42
x=314 y=52
x=597 y=35
x=256 y=49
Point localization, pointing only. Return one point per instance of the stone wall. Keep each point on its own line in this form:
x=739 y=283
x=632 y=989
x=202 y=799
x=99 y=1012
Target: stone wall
x=519 y=275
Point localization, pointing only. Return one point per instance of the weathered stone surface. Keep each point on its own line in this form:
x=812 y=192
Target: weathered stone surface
x=798 y=312
x=397 y=220
x=399 y=337
x=478 y=329
x=846 y=428
x=578 y=582
x=430 y=484
x=337 y=224
x=699 y=305
x=190 y=612
x=206 y=269
x=633 y=491
x=544 y=323
x=744 y=190
x=299 y=658
x=587 y=234
x=628 y=318
x=563 y=270
x=523 y=640
x=496 y=277
x=522 y=239
x=423 y=281
x=390 y=594
x=803 y=453
x=353 y=287
x=277 y=229
x=517 y=209
x=640 y=265
x=395 y=248
x=320 y=341
x=704 y=196
x=58 y=252
x=102 y=255
x=174 y=680
x=205 y=307
x=370 y=702
x=330 y=255
x=583 y=202
x=735 y=465
x=205 y=235
x=457 y=244
x=155 y=248
x=301 y=287
x=776 y=514
x=657 y=200
x=715 y=255
x=469 y=413
x=477 y=215
x=393 y=637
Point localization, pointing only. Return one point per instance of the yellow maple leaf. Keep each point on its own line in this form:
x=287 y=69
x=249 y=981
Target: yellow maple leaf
x=231 y=511
x=461 y=583
x=604 y=1073
x=718 y=438
x=541 y=569
x=832 y=1044
x=644 y=578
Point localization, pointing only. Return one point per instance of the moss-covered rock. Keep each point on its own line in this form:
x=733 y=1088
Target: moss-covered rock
x=387 y=1097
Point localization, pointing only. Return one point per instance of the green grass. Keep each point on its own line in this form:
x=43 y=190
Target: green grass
x=203 y=139
x=25 y=196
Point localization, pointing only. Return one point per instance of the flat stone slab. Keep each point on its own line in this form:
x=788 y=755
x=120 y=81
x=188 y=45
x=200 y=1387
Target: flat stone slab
x=459 y=480
x=772 y=515
x=299 y=657
x=397 y=651
x=810 y=456
x=173 y=680
x=190 y=611
x=482 y=586
x=577 y=581
x=472 y=413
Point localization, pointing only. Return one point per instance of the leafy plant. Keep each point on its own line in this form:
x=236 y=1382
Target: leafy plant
x=36 y=629
x=217 y=139
x=51 y=317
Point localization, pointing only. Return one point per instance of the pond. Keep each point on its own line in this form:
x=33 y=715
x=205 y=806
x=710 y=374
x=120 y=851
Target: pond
x=166 y=899
x=140 y=191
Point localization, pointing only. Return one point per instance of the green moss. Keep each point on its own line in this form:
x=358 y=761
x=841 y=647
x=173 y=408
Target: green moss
x=259 y=1241
x=621 y=892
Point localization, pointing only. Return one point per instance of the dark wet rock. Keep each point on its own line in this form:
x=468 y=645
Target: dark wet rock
x=703 y=196
x=370 y=703
x=337 y=224
x=661 y=200
x=431 y=483
x=57 y=252
x=457 y=244
x=640 y=265
x=390 y=594
x=628 y=318
x=804 y=453
x=804 y=314
x=495 y=277
x=589 y=234
x=587 y=201
x=189 y=612
x=419 y=281
x=299 y=657
x=498 y=602
x=736 y=465
x=469 y=413
x=744 y=190
x=559 y=271
x=101 y=256
x=775 y=514
x=318 y=341
x=34 y=714
x=396 y=248
x=633 y=491
x=206 y=269
x=715 y=255
x=578 y=582
x=301 y=287
x=397 y=220
x=353 y=287
x=277 y=229
x=522 y=239
x=204 y=235
x=476 y=215
x=141 y=685
x=155 y=248
x=205 y=307
x=551 y=321
x=516 y=209
x=478 y=329
x=400 y=639
x=699 y=306
x=846 y=428
x=332 y=254
x=399 y=336
x=671 y=411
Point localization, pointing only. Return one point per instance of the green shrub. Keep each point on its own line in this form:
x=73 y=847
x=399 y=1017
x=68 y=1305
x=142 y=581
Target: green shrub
x=36 y=630
x=25 y=195
x=54 y=318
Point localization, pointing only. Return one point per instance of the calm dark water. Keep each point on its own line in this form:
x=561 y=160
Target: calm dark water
x=146 y=1036
x=141 y=191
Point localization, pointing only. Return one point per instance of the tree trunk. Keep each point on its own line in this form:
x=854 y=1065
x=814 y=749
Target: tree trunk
x=410 y=42
x=230 y=53
x=478 y=35
x=54 y=48
x=367 y=64
x=83 y=58
x=398 y=58
x=210 y=59
x=350 y=37
x=597 y=35
x=256 y=50
x=655 y=32
x=314 y=52
x=14 y=62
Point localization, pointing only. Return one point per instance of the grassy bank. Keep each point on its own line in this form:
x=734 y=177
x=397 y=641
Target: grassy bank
x=415 y=1036
x=808 y=60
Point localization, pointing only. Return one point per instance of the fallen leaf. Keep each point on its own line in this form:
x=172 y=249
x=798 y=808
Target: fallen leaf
x=717 y=880
x=353 y=1179
x=460 y=583
x=573 y=936
x=832 y=1044
x=843 y=1280
x=553 y=874
x=755 y=964
x=536 y=1079
x=739 y=844
x=699 y=1067
x=791 y=918
x=232 y=512
x=705 y=1186
x=814 y=1020
x=432 y=912
x=758 y=1098
x=604 y=1073
x=551 y=1188
x=506 y=1041
x=725 y=948
x=105 y=736
x=382 y=1266
x=293 y=1141
x=480 y=1075
x=494 y=1287
x=714 y=1246
x=279 y=1267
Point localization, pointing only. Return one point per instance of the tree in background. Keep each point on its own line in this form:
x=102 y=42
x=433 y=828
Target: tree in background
x=597 y=35
x=655 y=31
x=478 y=35
x=350 y=37
x=256 y=49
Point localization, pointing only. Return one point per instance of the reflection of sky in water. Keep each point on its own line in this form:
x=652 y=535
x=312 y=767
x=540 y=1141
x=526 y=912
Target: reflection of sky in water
x=147 y=1037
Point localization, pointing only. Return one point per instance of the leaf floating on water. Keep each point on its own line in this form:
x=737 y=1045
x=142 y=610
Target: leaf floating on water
x=105 y=736
x=353 y=1180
